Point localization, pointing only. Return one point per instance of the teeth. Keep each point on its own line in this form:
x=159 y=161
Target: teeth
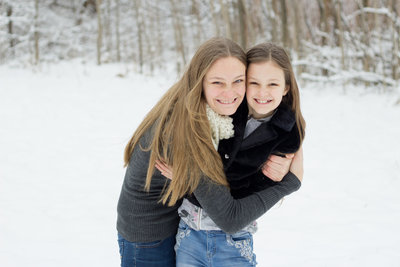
x=262 y=101
x=226 y=101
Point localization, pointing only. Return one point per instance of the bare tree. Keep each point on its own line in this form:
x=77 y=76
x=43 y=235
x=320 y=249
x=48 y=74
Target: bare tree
x=243 y=23
x=159 y=33
x=195 y=22
x=296 y=27
x=214 y=18
x=338 y=9
x=99 y=31
x=147 y=29
x=323 y=10
x=117 y=34
x=395 y=32
x=273 y=17
x=178 y=32
x=254 y=24
x=10 y=27
x=365 y=38
x=36 y=32
x=139 y=31
x=227 y=20
x=108 y=29
x=285 y=31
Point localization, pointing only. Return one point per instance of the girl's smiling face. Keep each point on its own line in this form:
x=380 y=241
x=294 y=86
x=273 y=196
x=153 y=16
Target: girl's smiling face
x=224 y=85
x=265 y=88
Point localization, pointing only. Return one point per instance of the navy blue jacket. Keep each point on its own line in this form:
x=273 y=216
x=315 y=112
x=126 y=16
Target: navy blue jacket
x=243 y=158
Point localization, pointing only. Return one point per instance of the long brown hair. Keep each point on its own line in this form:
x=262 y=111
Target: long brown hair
x=271 y=52
x=181 y=131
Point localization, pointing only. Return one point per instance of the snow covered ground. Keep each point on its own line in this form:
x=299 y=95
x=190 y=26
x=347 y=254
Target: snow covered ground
x=63 y=129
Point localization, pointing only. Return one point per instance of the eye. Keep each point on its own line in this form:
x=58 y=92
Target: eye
x=216 y=83
x=273 y=84
x=239 y=81
x=253 y=83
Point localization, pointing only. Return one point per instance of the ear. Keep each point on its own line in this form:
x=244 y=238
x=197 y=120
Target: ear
x=286 y=90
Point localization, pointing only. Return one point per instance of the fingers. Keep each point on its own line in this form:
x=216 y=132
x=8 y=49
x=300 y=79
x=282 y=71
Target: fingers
x=274 y=171
x=276 y=167
x=160 y=166
x=281 y=160
x=289 y=156
x=164 y=169
x=272 y=174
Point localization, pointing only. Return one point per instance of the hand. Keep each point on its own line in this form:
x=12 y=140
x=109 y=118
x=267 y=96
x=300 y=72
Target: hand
x=164 y=169
x=297 y=164
x=276 y=167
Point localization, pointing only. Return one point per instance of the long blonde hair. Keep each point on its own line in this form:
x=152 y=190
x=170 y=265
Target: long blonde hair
x=271 y=52
x=181 y=132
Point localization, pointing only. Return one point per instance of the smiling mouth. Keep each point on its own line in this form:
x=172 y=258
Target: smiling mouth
x=226 y=102
x=259 y=101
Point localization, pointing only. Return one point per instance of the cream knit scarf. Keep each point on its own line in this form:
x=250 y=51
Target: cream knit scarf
x=221 y=126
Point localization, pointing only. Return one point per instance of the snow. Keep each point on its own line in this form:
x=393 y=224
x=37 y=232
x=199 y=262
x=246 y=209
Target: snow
x=62 y=135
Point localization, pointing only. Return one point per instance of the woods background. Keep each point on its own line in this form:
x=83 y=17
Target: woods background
x=331 y=41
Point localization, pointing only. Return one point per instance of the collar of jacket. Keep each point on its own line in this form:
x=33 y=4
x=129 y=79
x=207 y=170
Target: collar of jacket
x=282 y=121
x=228 y=148
x=284 y=118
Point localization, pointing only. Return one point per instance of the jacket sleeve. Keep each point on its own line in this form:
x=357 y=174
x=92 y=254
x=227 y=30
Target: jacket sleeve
x=232 y=215
x=290 y=144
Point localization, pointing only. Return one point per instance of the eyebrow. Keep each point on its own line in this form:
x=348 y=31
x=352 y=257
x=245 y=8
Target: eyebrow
x=220 y=78
x=269 y=80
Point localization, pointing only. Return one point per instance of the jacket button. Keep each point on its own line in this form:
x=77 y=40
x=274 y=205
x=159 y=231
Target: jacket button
x=226 y=156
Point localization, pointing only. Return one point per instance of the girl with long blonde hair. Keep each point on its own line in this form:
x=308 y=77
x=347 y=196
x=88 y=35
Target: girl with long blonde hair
x=178 y=130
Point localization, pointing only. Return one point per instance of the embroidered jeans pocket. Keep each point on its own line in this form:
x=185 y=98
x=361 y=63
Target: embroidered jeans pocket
x=243 y=242
x=183 y=231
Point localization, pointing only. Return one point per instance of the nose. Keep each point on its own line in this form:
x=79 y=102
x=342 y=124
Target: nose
x=264 y=91
x=228 y=92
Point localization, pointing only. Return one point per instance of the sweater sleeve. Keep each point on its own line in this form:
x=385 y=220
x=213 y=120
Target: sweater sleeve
x=232 y=215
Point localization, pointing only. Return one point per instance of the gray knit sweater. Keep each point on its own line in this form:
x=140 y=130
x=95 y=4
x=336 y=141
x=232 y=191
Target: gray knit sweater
x=141 y=218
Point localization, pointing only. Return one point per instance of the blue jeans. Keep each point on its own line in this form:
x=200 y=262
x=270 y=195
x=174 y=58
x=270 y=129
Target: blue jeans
x=148 y=254
x=213 y=248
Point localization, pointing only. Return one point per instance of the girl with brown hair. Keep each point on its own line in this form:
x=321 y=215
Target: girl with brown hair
x=270 y=123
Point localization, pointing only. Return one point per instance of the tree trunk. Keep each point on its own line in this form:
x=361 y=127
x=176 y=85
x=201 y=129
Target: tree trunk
x=10 y=27
x=324 y=15
x=214 y=18
x=36 y=32
x=243 y=24
x=108 y=29
x=178 y=32
x=196 y=23
x=309 y=26
x=139 y=32
x=297 y=29
x=324 y=24
x=285 y=31
x=365 y=36
x=274 y=23
x=117 y=34
x=254 y=26
x=340 y=32
x=99 y=31
x=227 y=20
x=395 y=42
x=147 y=26
x=159 y=35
